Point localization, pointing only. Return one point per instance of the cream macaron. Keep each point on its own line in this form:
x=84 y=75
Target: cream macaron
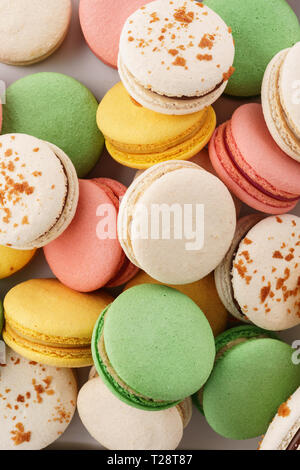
x=175 y=57
x=39 y=191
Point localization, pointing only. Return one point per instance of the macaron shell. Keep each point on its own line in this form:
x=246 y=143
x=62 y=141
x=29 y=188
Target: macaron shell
x=118 y=426
x=1 y=317
x=12 y=261
x=37 y=403
x=102 y=22
x=247 y=386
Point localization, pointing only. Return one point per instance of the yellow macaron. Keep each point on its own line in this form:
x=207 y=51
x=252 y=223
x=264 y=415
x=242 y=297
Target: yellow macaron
x=49 y=323
x=139 y=138
x=203 y=293
x=12 y=260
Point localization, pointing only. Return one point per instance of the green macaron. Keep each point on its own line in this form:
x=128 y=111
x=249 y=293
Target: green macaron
x=59 y=109
x=153 y=347
x=260 y=29
x=252 y=376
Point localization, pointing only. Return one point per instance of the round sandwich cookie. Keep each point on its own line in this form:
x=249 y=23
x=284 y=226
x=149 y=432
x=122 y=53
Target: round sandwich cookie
x=12 y=261
x=49 y=323
x=39 y=191
x=31 y=30
x=102 y=22
x=118 y=426
x=88 y=255
x=258 y=280
x=37 y=403
x=252 y=376
x=153 y=347
x=270 y=184
x=203 y=293
x=139 y=138
x=175 y=57
x=284 y=430
x=260 y=29
x=52 y=107
x=280 y=100
x=197 y=225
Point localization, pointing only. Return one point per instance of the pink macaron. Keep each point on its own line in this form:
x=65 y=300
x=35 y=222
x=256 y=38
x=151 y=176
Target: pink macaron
x=88 y=255
x=102 y=22
x=252 y=166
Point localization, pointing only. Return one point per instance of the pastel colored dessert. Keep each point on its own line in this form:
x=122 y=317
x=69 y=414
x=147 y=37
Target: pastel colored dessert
x=260 y=29
x=270 y=184
x=138 y=137
x=39 y=191
x=1 y=317
x=252 y=376
x=284 y=430
x=31 y=30
x=258 y=281
x=37 y=403
x=175 y=57
x=153 y=347
x=203 y=293
x=280 y=100
x=102 y=22
x=88 y=255
x=12 y=261
x=158 y=215
x=49 y=323
x=52 y=107
x=118 y=426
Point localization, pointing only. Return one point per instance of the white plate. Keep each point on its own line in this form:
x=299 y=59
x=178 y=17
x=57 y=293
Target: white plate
x=75 y=58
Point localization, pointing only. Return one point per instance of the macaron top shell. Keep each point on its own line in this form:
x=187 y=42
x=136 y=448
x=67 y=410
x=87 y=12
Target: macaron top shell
x=12 y=260
x=265 y=275
x=37 y=403
x=178 y=48
x=159 y=342
x=288 y=86
x=34 y=189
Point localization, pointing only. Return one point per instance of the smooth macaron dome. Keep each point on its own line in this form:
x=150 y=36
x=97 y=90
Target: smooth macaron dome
x=175 y=57
x=164 y=185
x=52 y=107
x=39 y=191
x=253 y=167
x=153 y=347
x=37 y=403
x=260 y=29
x=12 y=261
x=252 y=376
x=280 y=100
x=138 y=137
x=284 y=430
x=47 y=322
x=31 y=30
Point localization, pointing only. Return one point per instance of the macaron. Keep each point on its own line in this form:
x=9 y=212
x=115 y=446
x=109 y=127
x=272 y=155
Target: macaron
x=37 y=403
x=88 y=255
x=39 y=191
x=1 y=317
x=118 y=426
x=102 y=22
x=270 y=184
x=253 y=374
x=49 y=323
x=280 y=100
x=31 y=30
x=12 y=261
x=52 y=107
x=284 y=430
x=153 y=347
x=260 y=29
x=175 y=57
x=258 y=281
x=139 y=138
x=203 y=293
x=163 y=228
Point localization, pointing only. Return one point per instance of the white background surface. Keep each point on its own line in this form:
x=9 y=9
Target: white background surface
x=74 y=58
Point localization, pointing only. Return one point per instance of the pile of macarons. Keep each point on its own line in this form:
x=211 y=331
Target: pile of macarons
x=166 y=308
